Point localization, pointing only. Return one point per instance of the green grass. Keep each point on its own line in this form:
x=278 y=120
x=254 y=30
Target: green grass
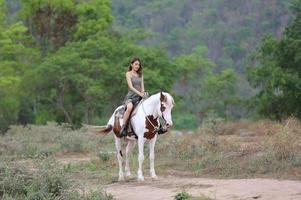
x=185 y=196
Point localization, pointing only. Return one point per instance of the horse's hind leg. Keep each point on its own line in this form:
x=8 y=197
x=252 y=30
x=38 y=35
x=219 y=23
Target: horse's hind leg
x=152 y=157
x=119 y=157
x=140 y=157
x=128 y=152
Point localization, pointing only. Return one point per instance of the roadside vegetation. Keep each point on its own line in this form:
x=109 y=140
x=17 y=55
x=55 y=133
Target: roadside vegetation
x=54 y=161
x=242 y=149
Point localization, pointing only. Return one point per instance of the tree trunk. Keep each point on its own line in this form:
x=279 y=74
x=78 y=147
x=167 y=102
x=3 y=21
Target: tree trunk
x=61 y=107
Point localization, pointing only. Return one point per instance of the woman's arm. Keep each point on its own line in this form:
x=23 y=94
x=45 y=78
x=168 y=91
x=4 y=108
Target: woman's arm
x=130 y=86
x=142 y=85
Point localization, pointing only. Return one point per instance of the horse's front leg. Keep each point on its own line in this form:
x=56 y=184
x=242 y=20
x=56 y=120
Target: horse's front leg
x=119 y=158
x=128 y=152
x=140 y=157
x=152 y=157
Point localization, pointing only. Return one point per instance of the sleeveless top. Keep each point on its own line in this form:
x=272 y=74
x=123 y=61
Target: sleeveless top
x=131 y=95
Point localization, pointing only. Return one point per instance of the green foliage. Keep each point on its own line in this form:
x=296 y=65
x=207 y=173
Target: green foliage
x=104 y=156
x=16 y=56
x=64 y=60
x=26 y=113
x=201 y=90
x=48 y=182
x=94 y=17
x=219 y=91
x=76 y=79
x=50 y=22
x=54 y=23
x=229 y=29
x=80 y=77
x=98 y=196
x=185 y=196
x=3 y=11
x=277 y=75
x=182 y=196
x=186 y=121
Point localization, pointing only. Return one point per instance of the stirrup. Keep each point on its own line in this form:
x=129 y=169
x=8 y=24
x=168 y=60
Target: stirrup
x=124 y=131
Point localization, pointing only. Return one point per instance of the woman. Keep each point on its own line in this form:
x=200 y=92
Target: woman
x=134 y=78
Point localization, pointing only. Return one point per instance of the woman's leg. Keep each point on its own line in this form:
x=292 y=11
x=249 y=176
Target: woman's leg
x=126 y=116
x=127 y=113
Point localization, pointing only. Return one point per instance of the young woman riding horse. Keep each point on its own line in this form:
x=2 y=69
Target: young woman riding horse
x=153 y=114
x=134 y=78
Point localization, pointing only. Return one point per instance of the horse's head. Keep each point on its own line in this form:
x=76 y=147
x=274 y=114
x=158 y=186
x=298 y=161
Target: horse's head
x=164 y=110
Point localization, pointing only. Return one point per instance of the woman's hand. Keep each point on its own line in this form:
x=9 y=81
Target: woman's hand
x=141 y=94
x=145 y=95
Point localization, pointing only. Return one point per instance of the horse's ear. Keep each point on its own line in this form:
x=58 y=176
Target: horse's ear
x=162 y=97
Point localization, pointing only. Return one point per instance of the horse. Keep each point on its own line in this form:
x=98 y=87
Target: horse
x=152 y=117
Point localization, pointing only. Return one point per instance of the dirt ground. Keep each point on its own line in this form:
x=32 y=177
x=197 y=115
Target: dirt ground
x=166 y=188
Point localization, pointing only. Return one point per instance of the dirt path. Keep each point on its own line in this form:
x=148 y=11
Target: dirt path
x=231 y=189
x=168 y=186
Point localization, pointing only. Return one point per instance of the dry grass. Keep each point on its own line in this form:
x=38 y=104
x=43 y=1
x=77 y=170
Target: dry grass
x=235 y=149
x=240 y=149
x=259 y=128
x=46 y=181
x=42 y=141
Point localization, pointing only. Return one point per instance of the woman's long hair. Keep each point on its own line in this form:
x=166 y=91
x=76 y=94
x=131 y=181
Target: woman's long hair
x=140 y=64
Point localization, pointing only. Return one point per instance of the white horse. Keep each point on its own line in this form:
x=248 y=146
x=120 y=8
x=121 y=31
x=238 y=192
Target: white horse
x=153 y=115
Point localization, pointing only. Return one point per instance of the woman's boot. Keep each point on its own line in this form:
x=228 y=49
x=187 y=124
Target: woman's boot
x=124 y=130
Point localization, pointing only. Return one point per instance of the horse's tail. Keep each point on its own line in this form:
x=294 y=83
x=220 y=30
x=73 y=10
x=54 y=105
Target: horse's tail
x=108 y=128
x=104 y=129
x=92 y=128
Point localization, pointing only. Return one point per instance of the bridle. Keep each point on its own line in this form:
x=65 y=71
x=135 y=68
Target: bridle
x=162 y=122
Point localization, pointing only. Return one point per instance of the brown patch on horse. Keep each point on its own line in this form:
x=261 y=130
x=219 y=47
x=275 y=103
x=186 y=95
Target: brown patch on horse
x=149 y=126
x=162 y=97
x=162 y=107
x=117 y=127
x=106 y=130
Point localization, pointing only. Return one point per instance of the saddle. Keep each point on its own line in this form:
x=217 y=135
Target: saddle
x=120 y=113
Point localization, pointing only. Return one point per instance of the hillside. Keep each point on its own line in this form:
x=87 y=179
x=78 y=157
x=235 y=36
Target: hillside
x=229 y=29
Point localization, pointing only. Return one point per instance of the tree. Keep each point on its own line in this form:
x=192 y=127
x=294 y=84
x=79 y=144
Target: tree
x=84 y=79
x=50 y=22
x=278 y=73
x=203 y=91
x=16 y=56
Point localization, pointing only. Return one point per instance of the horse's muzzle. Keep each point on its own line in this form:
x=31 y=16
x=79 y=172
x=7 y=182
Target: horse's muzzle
x=168 y=125
x=162 y=131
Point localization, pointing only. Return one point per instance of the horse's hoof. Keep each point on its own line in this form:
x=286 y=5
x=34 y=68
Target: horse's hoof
x=154 y=178
x=140 y=179
x=121 y=178
x=128 y=176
